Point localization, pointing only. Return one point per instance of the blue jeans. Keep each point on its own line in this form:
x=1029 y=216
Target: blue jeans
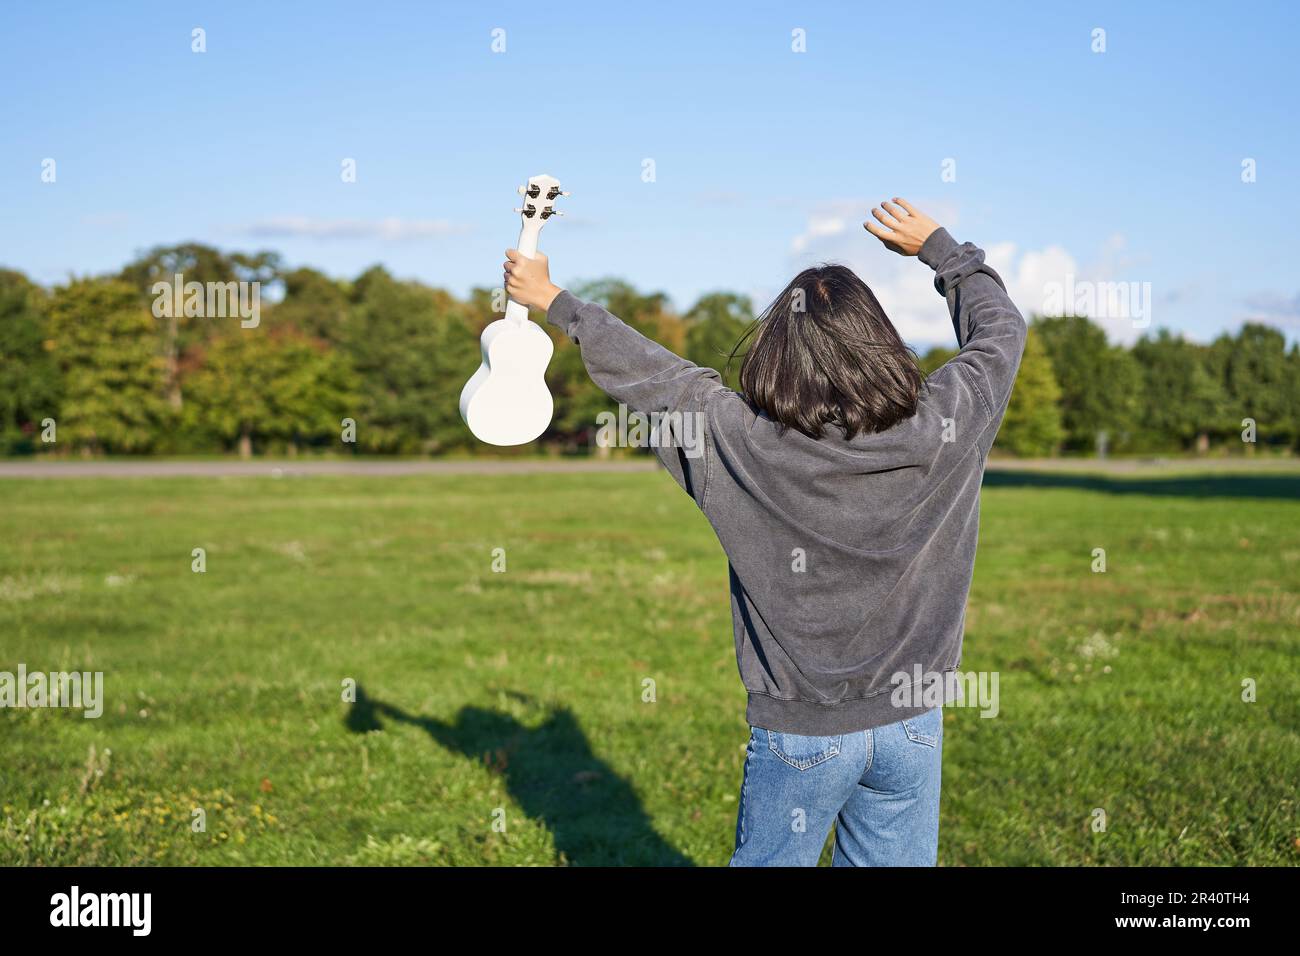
x=879 y=787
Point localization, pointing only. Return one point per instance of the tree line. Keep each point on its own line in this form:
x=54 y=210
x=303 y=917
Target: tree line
x=97 y=366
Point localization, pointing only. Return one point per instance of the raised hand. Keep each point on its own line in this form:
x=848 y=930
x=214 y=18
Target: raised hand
x=528 y=280
x=901 y=227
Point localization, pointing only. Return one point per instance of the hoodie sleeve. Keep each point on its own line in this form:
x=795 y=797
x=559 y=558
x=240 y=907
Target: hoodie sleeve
x=667 y=390
x=990 y=330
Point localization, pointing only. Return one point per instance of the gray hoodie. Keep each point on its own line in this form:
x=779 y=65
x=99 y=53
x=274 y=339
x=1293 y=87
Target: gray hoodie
x=850 y=559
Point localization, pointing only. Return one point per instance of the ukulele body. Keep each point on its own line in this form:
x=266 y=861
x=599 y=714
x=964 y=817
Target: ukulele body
x=506 y=402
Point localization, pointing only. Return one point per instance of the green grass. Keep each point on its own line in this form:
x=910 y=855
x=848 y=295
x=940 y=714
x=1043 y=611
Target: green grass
x=517 y=696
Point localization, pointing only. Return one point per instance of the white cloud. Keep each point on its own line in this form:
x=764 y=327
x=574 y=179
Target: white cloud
x=833 y=233
x=1279 y=309
x=390 y=229
x=105 y=220
x=820 y=226
x=721 y=197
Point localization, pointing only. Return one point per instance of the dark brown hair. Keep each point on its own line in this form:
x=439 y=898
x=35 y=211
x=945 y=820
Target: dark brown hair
x=824 y=353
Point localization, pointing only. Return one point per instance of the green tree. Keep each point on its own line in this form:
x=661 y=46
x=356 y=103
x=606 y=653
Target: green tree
x=1293 y=376
x=714 y=327
x=1032 y=425
x=102 y=340
x=193 y=262
x=196 y=262
x=413 y=349
x=262 y=386
x=1099 y=383
x=1259 y=382
x=29 y=378
x=1181 y=397
x=314 y=303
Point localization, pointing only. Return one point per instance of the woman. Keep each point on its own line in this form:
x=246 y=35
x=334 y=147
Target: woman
x=844 y=489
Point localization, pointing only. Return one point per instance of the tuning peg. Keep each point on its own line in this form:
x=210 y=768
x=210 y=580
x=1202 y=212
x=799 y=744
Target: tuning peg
x=520 y=190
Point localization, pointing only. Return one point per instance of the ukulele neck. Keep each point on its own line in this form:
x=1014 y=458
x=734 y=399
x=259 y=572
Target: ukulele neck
x=527 y=247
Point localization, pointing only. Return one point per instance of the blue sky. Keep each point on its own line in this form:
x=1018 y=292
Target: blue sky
x=1122 y=166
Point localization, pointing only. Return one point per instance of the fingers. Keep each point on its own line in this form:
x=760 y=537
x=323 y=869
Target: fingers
x=906 y=205
x=895 y=211
x=880 y=232
x=884 y=217
x=520 y=271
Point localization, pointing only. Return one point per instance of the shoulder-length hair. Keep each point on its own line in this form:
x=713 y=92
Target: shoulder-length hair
x=824 y=353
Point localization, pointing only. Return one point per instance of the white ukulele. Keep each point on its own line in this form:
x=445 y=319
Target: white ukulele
x=506 y=402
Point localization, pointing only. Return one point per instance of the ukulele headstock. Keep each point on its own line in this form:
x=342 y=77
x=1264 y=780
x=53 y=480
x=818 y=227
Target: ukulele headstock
x=540 y=193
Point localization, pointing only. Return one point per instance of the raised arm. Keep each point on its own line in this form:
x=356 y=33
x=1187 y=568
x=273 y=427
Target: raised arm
x=628 y=367
x=990 y=330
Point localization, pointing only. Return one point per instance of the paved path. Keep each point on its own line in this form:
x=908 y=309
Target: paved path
x=146 y=468
x=288 y=467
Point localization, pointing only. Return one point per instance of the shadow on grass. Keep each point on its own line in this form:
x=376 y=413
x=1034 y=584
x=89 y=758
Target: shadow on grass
x=1189 y=486
x=550 y=771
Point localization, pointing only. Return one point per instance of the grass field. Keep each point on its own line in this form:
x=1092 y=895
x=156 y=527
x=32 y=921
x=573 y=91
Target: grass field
x=517 y=696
